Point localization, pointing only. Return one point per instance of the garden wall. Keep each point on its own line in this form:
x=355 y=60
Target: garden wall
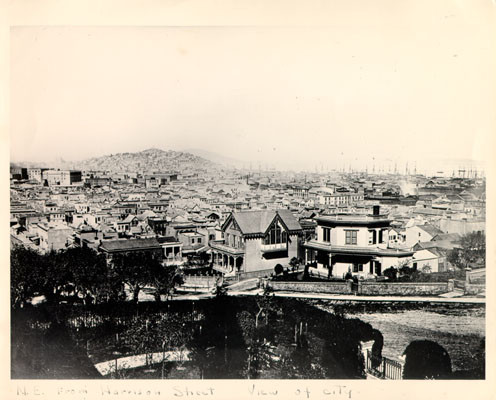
x=474 y=289
x=402 y=288
x=255 y=274
x=312 y=287
x=203 y=281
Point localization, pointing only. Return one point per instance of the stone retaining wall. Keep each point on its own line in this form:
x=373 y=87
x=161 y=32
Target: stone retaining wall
x=402 y=288
x=204 y=281
x=474 y=289
x=262 y=273
x=312 y=287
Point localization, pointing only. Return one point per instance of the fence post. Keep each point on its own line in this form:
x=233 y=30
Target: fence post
x=467 y=274
x=366 y=351
x=467 y=279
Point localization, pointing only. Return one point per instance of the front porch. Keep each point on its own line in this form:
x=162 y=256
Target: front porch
x=335 y=264
x=228 y=264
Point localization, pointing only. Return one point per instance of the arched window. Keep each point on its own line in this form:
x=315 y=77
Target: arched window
x=275 y=235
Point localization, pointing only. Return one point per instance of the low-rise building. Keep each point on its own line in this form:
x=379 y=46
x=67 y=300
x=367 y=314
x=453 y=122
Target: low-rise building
x=35 y=174
x=172 y=248
x=53 y=236
x=356 y=244
x=123 y=246
x=428 y=260
x=256 y=241
x=61 y=177
x=420 y=233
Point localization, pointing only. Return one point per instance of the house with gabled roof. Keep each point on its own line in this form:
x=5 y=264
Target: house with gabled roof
x=428 y=260
x=397 y=238
x=420 y=233
x=256 y=241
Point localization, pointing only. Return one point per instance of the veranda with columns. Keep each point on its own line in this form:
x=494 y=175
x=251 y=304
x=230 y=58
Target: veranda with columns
x=227 y=263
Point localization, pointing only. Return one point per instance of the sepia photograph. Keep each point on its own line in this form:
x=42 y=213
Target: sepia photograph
x=251 y=202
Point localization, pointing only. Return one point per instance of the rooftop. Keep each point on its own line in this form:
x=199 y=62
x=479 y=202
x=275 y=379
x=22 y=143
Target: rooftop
x=355 y=219
x=168 y=239
x=257 y=222
x=129 y=244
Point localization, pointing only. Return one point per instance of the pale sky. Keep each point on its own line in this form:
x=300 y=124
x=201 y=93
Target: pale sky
x=411 y=81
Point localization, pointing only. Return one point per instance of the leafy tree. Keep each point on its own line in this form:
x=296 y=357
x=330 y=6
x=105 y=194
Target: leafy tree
x=472 y=250
x=24 y=276
x=164 y=279
x=135 y=269
x=87 y=272
x=264 y=306
x=204 y=355
x=54 y=276
x=259 y=356
x=298 y=364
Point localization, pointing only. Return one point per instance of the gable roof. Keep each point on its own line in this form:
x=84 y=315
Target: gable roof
x=438 y=245
x=129 y=218
x=431 y=229
x=257 y=222
x=453 y=237
x=433 y=250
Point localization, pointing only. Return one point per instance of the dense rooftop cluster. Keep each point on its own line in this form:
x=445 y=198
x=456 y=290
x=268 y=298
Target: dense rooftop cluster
x=181 y=202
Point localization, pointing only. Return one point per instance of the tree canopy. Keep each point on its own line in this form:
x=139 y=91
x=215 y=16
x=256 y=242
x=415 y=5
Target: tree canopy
x=472 y=250
x=136 y=269
x=82 y=274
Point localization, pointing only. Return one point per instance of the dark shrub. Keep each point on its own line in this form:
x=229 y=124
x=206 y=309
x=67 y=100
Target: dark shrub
x=391 y=273
x=426 y=360
x=278 y=269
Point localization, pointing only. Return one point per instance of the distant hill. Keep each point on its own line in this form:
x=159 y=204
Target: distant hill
x=218 y=158
x=147 y=161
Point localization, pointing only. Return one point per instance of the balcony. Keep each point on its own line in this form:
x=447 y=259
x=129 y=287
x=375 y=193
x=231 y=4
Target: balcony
x=267 y=248
x=222 y=247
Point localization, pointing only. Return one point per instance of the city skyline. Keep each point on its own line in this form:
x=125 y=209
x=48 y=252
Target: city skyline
x=446 y=167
